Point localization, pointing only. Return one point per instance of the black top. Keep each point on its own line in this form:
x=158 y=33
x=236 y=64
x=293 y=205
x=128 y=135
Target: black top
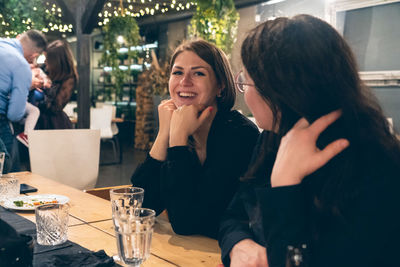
x=362 y=231
x=196 y=195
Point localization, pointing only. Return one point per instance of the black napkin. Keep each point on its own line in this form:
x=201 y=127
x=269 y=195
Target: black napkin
x=15 y=249
x=38 y=249
x=67 y=254
x=81 y=258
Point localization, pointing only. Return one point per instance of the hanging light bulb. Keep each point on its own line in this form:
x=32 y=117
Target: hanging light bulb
x=120 y=39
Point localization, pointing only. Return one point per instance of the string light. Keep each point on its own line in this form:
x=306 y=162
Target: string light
x=136 y=8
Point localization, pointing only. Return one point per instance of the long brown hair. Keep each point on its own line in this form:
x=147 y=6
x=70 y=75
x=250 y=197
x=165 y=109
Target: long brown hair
x=218 y=61
x=60 y=62
x=302 y=67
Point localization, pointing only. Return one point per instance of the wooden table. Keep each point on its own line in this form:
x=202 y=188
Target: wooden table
x=91 y=226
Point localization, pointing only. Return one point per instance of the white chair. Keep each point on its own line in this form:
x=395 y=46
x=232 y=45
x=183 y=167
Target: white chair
x=114 y=127
x=101 y=118
x=67 y=156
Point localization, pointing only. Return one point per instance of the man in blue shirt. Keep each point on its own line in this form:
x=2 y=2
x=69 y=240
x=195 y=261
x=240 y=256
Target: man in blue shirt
x=15 y=81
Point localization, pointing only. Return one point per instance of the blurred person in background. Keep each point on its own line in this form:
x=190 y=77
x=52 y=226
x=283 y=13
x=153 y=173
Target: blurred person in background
x=15 y=81
x=61 y=70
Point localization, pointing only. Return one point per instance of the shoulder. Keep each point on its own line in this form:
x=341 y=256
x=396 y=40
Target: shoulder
x=233 y=126
x=68 y=83
x=234 y=119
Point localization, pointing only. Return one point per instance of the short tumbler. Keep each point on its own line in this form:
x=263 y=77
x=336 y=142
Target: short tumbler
x=52 y=224
x=9 y=187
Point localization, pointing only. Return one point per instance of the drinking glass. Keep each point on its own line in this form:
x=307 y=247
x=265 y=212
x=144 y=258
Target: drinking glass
x=134 y=233
x=52 y=224
x=131 y=243
x=9 y=187
x=126 y=197
x=2 y=159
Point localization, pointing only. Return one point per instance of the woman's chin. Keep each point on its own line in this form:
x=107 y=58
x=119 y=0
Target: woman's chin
x=184 y=102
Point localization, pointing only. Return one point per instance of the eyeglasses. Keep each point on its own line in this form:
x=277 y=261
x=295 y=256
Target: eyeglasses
x=241 y=82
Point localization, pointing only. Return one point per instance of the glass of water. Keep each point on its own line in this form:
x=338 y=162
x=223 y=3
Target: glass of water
x=2 y=159
x=134 y=233
x=52 y=224
x=133 y=225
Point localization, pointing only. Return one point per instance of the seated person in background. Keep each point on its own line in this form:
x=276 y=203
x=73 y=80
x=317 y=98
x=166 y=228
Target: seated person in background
x=331 y=191
x=202 y=147
x=32 y=112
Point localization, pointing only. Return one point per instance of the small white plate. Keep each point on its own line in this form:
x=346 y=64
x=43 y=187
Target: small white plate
x=29 y=200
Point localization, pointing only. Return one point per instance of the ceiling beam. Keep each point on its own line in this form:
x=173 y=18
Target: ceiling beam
x=68 y=9
x=90 y=16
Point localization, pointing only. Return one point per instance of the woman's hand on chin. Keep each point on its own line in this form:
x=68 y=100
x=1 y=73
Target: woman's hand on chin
x=248 y=253
x=298 y=154
x=185 y=121
x=159 y=149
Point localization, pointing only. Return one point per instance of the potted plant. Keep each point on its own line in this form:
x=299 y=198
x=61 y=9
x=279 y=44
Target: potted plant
x=119 y=32
x=215 y=21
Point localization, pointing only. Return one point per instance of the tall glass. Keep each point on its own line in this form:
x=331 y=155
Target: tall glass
x=134 y=233
x=133 y=225
x=2 y=159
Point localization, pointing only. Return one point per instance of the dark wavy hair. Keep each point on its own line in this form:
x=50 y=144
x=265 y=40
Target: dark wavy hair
x=302 y=67
x=60 y=62
x=218 y=61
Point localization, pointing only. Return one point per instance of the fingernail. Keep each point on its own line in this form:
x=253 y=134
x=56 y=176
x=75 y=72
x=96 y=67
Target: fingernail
x=211 y=109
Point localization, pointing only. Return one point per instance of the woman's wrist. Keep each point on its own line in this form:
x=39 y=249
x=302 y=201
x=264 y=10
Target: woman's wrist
x=159 y=148
x=178 y=139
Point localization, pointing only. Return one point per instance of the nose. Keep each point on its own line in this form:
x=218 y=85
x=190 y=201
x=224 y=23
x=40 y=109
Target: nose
x=186 y=79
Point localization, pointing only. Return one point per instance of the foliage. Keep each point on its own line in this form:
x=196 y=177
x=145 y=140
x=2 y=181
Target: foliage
x=158 y=75
x=126 y=27
x=17 y=16
x=215 y=21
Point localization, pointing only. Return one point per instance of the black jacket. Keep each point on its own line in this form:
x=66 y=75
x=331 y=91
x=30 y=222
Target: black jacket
x=362 y=230
x=196 y=195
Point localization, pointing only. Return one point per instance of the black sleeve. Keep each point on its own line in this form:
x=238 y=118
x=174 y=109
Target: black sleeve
x=234 y=227
x=365 y=233
x=147 y=176
x=284 y=220
x=197 y=195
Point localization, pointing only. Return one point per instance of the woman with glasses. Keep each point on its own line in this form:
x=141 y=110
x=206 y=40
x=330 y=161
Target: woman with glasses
x=202 y=147
x=328 y=196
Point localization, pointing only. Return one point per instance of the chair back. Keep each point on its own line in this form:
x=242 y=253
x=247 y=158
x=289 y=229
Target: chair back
x=114 y=127
x=100 y=119
x=67 y=156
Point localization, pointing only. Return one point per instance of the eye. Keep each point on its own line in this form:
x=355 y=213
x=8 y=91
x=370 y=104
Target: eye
x=199 y=73
x=177 y=72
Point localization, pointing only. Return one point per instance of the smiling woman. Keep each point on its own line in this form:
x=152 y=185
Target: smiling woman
x=202 y=147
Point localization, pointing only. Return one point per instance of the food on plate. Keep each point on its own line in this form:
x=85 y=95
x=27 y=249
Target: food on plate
x=34 y=202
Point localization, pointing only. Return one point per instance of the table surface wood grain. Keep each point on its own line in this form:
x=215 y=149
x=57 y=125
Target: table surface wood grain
x=91 y=226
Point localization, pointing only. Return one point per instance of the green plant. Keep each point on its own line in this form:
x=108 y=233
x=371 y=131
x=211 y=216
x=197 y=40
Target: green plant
x=126 y=31
x=17 y=16
x=215 y=21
